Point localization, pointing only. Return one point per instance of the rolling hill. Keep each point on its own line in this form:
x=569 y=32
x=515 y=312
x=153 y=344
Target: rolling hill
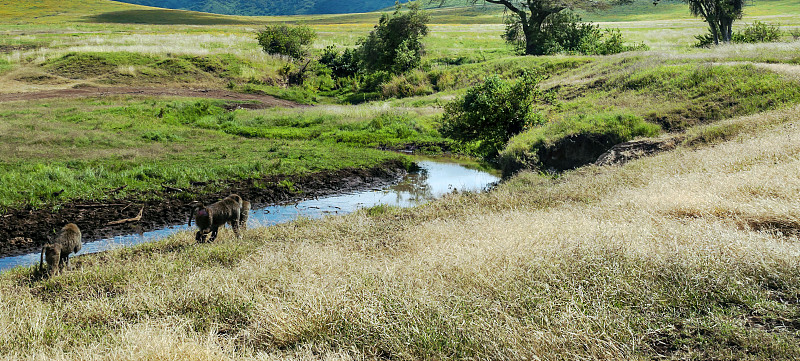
x=269 y=7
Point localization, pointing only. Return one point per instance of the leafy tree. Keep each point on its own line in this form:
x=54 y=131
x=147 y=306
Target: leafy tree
x=292 y=41
x=719 y=14
x=493 y=112
x=565 y=32
x=395 y=44
x=342 y=64
x=533 y=14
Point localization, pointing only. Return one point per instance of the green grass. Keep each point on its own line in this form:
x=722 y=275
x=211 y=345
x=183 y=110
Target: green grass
x=89 y=146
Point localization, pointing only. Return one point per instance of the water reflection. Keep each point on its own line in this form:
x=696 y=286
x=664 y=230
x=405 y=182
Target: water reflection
x=433 y=180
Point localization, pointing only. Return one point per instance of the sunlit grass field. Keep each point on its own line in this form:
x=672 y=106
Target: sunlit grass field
x=686 y=254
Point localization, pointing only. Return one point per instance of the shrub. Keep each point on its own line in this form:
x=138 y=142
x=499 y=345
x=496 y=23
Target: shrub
x=395 y=45
x=795 y=34
x=291 y=41
x=757 y=32
x=491 y=113
x=342 y=64
x=565 y=32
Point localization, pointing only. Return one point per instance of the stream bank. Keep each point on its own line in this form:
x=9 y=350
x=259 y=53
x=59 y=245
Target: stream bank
x=24 y=230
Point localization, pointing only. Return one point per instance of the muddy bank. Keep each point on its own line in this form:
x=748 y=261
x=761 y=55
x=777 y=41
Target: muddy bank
x=25 y=230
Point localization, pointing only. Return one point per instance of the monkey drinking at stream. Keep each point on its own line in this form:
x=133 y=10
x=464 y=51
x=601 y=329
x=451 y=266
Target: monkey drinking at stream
x=210 y=218
x=57 y=251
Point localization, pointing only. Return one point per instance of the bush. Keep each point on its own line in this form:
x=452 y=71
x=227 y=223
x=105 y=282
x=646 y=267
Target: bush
x=491 y=113
x=342 y=64
x=291 y=41
x=757 y=32
x=395 y=45
x=565 y=32
x=795 y=34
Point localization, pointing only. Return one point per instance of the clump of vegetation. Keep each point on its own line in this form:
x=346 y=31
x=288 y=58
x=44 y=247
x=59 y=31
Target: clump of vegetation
x=393 y=47
x=757 y=32
x=290 y=40
x=795 y=33
x=395 y=44
x=564 y=32
x=342 y=64
x=491 y=113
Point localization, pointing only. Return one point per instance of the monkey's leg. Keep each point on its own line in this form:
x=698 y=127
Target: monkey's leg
x=235 y=226
x=214 y=231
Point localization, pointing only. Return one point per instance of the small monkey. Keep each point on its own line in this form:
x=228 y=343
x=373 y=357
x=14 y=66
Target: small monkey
x=57 y=251
x=210 y=218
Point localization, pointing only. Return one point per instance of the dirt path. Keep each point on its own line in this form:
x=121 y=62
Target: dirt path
x=262 y=100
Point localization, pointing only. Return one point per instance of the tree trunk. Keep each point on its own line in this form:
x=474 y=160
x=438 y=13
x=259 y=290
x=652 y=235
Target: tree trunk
x=726 y=28
x=714 y=32
x=533 y=33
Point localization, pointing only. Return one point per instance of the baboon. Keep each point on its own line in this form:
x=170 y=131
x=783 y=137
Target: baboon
x=210 y=218
x=56 y=252
x=244 y=214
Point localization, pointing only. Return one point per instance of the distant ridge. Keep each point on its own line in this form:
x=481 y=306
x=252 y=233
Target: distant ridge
x=269 y=7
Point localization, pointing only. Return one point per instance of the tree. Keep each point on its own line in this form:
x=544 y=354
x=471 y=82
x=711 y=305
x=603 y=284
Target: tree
x=292 y=41
x=493 y=112
x=395 y=44
x=532 y=14
x=719 y=14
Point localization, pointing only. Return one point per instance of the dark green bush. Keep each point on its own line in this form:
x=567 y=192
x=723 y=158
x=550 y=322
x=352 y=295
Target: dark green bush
x=395 y=45
x=565 y=32
x=757 y=32
x=342 y=64
x=492 y=112
x=283 y=39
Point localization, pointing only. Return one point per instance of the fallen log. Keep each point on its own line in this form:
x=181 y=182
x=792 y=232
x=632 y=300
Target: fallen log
x=171 y=189
x=100 y=205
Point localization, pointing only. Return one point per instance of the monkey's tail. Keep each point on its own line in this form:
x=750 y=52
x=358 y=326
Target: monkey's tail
x=194 y=207
x=41 y=260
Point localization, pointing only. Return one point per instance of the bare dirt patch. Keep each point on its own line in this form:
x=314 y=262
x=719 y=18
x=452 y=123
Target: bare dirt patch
x=262 y=101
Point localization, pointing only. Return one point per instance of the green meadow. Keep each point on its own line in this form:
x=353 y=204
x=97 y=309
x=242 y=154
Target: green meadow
x=689 y=253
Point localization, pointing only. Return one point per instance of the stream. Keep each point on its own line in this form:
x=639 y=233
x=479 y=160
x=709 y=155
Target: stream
x=433 y=180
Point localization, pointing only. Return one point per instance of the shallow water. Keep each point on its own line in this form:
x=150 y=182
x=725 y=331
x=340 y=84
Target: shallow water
x=433 y=180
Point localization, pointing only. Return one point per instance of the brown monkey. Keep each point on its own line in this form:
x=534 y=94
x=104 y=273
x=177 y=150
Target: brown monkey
x=56 y=252
x=244 y=215
x=210 y=218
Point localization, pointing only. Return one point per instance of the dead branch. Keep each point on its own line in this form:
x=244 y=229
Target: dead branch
x=100 y=205
x=121 y=221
